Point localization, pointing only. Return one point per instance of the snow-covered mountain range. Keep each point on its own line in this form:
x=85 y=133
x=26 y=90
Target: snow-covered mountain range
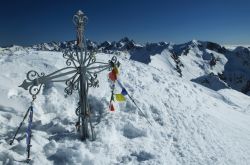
x=191 y=124
x=210 y=64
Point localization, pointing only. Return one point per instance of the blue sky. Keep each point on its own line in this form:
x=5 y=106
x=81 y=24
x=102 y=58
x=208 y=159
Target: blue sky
x=29 y=22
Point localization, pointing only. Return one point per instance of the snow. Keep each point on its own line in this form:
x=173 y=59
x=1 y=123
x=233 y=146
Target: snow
x=191 y=124
x=163 y=62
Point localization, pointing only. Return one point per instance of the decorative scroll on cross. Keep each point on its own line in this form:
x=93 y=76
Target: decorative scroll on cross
x=80 y=74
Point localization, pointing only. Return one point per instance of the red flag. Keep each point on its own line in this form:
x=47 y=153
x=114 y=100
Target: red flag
x=112 y=75
x=111 y=107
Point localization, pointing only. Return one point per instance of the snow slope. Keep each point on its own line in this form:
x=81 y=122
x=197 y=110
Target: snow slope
x=191 y=124
x=206 y=63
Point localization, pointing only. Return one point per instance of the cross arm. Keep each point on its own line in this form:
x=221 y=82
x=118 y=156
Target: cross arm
x=34 y=80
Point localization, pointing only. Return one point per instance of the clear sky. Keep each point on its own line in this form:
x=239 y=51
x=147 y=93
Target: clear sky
x=26 y=22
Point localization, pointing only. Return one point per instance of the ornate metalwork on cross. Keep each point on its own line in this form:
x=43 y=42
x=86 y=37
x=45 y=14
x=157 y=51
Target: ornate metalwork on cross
x=80 y=74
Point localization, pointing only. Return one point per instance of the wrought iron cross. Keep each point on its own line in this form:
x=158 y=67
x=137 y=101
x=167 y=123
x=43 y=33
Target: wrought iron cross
x=80 y=74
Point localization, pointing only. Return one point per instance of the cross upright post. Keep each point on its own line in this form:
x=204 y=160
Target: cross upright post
x=80 y=21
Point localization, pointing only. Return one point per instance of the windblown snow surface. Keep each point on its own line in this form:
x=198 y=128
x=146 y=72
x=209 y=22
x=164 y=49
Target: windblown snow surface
x=191 y=124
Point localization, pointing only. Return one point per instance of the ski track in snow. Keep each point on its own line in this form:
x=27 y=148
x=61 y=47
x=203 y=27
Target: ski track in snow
x=191 y=124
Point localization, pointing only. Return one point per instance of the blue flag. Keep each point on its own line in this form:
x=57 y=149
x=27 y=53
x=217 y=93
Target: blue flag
x=124 y=92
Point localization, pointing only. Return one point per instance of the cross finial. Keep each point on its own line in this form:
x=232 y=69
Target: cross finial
x=79 y=19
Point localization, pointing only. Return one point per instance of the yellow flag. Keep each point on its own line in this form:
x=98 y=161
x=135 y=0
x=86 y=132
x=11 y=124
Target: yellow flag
x=116 y=70
x=119 y=97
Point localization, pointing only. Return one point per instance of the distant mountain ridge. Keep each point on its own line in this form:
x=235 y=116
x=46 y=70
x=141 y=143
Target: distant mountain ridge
x=210 y=64
x=122 y=45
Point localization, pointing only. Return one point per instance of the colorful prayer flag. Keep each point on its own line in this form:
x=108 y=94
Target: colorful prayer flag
x=119 y=97
x=116 y=70
x=112 y=76
x=111 y=107
x=124 y=92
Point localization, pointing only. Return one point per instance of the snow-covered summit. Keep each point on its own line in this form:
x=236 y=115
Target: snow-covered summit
x=191 y=124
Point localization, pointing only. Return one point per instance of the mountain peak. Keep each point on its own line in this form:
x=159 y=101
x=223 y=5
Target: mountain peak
x=126 y=39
